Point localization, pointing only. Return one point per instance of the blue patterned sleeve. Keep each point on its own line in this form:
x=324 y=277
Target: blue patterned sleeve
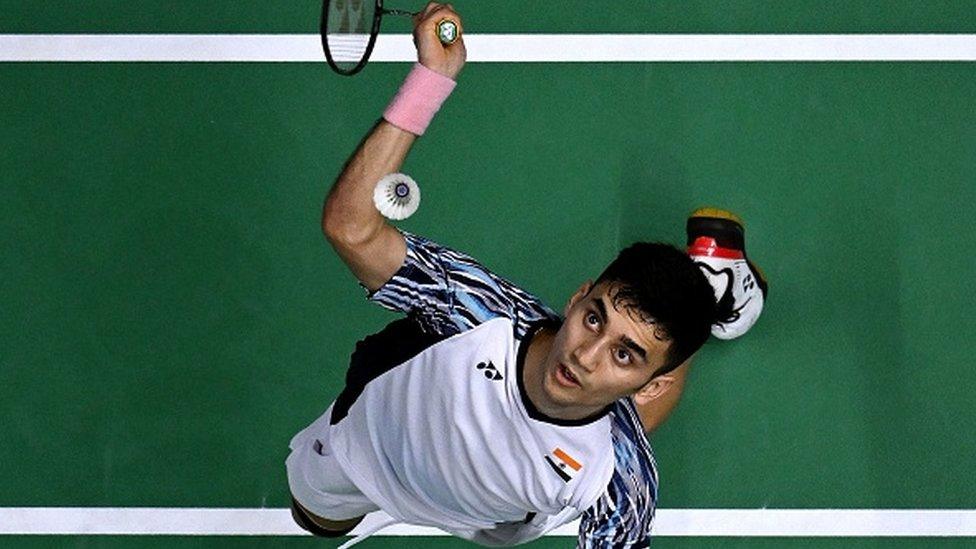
x=450 y=292
x=622 y=517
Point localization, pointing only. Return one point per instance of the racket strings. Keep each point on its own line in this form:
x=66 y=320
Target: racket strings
x=348 y=49
x=348 y=31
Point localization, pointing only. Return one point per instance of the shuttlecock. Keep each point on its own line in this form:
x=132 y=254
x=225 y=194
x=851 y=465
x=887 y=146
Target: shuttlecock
x=397 y=196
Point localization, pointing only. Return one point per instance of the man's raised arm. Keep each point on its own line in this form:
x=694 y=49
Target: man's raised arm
x=371 y=248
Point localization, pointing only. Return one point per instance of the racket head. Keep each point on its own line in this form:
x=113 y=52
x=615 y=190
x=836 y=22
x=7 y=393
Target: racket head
x=348 y=30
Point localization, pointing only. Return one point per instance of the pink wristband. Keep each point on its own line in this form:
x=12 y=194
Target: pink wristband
x=419 y=99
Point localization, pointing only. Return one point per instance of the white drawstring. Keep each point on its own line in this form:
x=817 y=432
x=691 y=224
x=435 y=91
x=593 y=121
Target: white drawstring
x=381 y=523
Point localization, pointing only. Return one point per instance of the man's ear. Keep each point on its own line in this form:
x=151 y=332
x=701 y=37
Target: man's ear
x=580 y=293
x=654 y=389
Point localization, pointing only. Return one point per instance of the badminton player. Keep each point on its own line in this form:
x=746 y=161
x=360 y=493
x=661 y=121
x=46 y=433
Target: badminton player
x=484 y=412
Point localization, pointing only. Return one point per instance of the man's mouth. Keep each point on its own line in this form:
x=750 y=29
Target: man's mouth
x=566 y=377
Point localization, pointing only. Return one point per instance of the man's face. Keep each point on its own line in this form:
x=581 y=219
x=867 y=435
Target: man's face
x=601 y=354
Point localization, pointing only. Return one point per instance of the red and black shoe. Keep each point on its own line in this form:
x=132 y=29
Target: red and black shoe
x=717 y=244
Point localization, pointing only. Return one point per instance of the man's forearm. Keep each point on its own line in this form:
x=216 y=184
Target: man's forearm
x=349 y=214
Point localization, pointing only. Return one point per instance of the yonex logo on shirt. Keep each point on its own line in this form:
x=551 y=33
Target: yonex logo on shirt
x=490 y=371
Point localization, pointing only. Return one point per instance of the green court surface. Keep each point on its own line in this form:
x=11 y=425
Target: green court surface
x=170 y=313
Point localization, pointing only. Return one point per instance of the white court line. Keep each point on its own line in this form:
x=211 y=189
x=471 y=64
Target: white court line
x=668 y=523
x=505 y=48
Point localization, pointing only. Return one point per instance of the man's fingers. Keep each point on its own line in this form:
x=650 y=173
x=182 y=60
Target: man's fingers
x=431 y=6
x=439 y=11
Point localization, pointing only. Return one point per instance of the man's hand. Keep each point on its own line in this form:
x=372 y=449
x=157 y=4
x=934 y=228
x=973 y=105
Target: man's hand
x=445 y=59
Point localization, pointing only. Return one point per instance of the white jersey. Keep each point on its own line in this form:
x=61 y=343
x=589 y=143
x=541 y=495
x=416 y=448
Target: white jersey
x=434 y=427
x=446 y=439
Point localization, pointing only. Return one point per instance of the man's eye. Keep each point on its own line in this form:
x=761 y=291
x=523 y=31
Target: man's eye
x=592 y=319
x=623 y=355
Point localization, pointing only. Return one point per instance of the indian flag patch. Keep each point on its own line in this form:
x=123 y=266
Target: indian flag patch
x=563 y=464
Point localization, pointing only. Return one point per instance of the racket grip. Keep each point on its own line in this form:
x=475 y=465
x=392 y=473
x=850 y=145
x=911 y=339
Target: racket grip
x=420 y=97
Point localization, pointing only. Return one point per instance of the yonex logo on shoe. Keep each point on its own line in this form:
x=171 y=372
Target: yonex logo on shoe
x=748 y=283
x=490 y=371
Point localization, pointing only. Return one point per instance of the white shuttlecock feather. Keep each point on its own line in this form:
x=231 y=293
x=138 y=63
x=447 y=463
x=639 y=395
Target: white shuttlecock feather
x=397 y=196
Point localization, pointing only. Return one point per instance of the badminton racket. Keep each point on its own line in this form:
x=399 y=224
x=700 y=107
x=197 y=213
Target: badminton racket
x=349 y=28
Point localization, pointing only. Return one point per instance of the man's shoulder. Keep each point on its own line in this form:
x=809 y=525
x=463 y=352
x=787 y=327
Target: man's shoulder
x=624 y=514
x=628 y=435
x=635 y=470
x=458 y=292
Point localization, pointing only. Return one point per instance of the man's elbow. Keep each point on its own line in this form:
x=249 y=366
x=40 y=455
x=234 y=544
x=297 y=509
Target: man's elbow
x=337 y=222
x=346 y=231
x=333 y=225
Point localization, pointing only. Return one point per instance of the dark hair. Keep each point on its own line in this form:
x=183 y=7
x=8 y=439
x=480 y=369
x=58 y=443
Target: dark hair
x=667 y=290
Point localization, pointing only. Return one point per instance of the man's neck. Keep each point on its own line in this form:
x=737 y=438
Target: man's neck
x=533 y=370
x=533 y=376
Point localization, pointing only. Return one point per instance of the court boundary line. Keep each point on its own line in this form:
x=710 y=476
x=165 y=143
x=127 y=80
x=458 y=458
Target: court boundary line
x=498 y=48
x=147 y=521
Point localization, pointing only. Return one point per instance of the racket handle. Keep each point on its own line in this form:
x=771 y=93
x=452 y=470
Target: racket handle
x=447 y=31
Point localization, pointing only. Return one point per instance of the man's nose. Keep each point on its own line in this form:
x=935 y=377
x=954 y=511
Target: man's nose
x=587 y=354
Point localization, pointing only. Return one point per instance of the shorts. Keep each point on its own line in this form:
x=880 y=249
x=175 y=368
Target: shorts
x=316 y=479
